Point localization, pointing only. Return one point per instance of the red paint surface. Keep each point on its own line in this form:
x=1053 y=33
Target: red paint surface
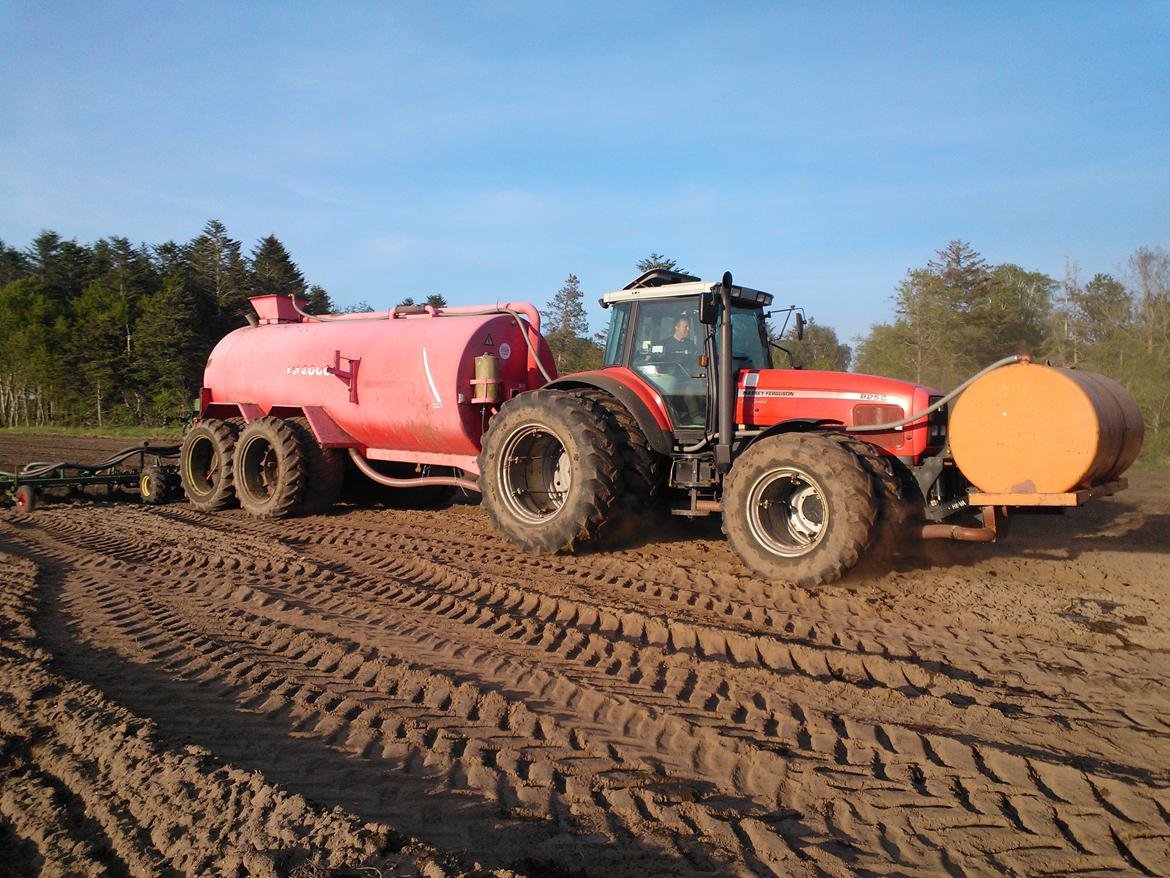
x=784 y=394
x=285 y=365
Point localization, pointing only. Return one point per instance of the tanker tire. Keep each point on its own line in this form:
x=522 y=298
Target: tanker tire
x=894 y=507
x=545 y=519
x=821 y=536
x=325 y=470
x=154 y=485
x=206 y=465
x=270 y=468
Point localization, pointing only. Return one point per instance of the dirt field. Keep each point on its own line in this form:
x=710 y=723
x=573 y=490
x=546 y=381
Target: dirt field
x=193 y=694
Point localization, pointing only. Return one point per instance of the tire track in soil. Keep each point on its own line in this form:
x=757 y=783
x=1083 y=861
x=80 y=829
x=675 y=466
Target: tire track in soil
x=85 y=790
x=921 y=772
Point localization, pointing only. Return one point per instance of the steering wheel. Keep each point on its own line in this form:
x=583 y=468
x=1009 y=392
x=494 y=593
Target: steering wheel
x=673 y=365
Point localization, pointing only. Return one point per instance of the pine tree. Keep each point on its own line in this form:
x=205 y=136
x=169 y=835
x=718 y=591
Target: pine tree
x=13 y=264
x=566 y=327
x=218 y=282
x=319 y=301
x=565 y=314
x=273 y=271
x=169 y=359
x=657 y=260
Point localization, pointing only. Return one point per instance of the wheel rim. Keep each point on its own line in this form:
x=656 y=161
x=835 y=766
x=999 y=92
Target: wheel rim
x=787 y=512
x=261 y=468
x=536 y=475
x=145 y=485
x=202 y=465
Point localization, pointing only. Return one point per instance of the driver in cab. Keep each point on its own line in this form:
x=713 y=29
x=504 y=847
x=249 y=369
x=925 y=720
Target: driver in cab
x=681 y=346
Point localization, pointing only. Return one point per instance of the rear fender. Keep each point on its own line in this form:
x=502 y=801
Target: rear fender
x=649 y=414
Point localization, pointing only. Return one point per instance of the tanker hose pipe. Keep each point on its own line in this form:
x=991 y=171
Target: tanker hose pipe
x=939 y=403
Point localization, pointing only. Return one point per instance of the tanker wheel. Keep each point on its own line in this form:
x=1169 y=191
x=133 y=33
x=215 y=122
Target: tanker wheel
x=26 y=498
x=206 y=464
x=270 y=467
x=325 y=470
x=550 y=471
x=799 y=508
x=154 y=485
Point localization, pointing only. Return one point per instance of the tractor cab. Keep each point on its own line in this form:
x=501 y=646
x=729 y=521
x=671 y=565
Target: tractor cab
x=665 y=328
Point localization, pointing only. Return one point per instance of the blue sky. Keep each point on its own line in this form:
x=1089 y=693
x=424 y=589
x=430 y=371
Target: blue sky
x=485 y=151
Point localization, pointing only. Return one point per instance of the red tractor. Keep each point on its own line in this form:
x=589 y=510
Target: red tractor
x=808 y=469
x=688 y=410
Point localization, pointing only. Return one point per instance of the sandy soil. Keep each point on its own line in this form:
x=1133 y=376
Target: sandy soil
x=193 y=694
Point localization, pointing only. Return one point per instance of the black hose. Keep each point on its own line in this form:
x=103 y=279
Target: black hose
x=39 y=468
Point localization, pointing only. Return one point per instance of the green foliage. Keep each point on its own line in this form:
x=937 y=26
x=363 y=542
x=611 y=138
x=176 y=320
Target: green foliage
x=566 y=328
x=273 y=271
x=958 y=314
x=114 y=335
x=565 y=313
x=657 y=260
x=435 y=300
x=319 y=301
x=819 y=349
x=574 y=353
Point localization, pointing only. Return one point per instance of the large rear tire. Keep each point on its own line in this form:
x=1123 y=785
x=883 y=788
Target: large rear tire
x=550 y=471
x=894 y=509
x=206 y=465
x=325 y=470
x=799 y=508
x=270 y=468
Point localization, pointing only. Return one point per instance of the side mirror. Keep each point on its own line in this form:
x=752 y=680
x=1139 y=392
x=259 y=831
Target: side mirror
x=799 y=326
x=708 y=309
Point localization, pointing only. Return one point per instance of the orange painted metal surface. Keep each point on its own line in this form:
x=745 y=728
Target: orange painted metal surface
x=1033 y=429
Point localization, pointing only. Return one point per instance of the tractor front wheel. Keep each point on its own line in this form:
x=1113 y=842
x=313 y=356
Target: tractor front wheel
x=799 y=508
x=550 y=472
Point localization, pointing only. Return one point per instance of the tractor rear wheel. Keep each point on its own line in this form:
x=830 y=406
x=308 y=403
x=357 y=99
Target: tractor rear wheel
x=325 y=470
x=550 y=471
x=206 y=465
x=799 y=508
x=270 y=468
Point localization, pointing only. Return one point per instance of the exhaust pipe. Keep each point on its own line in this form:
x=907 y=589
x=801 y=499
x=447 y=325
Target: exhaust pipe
x=726 y=381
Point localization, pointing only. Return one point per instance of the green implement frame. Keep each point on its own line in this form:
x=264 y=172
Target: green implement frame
x=123 y=468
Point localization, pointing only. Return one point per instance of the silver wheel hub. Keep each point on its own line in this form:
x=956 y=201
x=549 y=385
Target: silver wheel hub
x=535 y=475
x=787 y=512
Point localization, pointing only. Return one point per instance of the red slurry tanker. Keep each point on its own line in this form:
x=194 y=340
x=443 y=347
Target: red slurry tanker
x=808 y=469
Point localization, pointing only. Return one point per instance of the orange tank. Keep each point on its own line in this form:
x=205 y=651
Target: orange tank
x=1029 y=428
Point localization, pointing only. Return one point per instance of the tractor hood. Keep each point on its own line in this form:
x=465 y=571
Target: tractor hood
x=770 y=396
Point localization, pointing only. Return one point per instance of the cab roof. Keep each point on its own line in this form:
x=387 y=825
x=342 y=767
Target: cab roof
x=659 y=283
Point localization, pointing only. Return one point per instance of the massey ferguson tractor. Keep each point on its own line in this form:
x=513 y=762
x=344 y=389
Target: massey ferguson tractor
x=809 y=470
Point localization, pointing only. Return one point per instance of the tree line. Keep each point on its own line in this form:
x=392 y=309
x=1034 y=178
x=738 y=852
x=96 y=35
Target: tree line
x=113 y=333
x=959 y=313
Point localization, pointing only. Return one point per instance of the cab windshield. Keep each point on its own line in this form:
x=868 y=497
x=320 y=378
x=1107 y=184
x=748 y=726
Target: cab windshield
x=749 y=338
